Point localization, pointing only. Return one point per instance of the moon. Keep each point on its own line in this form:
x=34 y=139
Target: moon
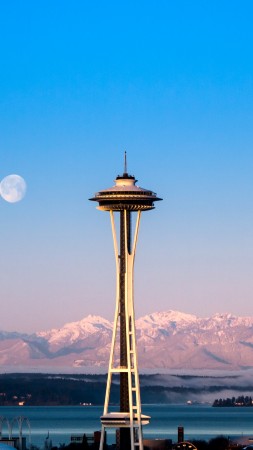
x=13 y=188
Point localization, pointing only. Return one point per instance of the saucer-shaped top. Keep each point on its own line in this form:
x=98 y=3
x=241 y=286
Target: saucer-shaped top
x=125 y=195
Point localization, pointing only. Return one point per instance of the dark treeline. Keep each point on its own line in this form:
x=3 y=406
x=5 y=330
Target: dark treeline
x=63 y=390
x=217 y=443
x=234 y=401
x=44 y=389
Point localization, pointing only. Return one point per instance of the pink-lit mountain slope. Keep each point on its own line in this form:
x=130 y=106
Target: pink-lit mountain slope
x=170 y=340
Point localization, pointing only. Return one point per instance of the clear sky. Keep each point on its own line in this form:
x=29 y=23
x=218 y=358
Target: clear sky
x=171 y=82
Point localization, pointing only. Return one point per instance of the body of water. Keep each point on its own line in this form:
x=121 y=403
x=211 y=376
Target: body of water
x=199 y=421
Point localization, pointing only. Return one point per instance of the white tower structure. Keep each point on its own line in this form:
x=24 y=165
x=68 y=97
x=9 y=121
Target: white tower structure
x=126 y=198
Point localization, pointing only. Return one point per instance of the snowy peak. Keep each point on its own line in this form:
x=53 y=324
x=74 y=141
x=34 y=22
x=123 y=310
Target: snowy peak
x=75 y=331
x=160 y=324
x=168 y=318
x=226 y=321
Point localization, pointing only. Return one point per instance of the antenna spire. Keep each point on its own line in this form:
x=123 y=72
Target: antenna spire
x=125 y=163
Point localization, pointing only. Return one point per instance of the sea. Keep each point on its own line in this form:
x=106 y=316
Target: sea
x=58 y=423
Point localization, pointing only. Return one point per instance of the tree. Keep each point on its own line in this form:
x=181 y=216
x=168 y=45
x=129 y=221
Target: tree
x=218 y=443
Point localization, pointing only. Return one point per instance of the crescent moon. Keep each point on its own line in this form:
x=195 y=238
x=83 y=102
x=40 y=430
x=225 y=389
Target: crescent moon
x=13 y=188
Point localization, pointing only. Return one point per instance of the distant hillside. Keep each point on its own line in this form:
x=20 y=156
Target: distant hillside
x=53 y=390
x=166 y=340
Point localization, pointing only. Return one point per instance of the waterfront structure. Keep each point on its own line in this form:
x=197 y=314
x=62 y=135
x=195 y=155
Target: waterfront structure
x=126 y=198
x=14 y=441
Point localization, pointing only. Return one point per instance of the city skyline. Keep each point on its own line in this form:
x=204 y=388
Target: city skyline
x=171 y=85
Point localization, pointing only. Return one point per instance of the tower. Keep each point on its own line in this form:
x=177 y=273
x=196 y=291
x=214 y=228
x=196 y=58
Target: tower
x=125 y=198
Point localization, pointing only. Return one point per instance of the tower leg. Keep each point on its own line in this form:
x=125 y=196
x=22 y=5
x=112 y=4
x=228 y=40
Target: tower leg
x=102 y=438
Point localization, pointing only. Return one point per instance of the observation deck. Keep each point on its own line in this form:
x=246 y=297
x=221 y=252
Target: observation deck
x=125 y=195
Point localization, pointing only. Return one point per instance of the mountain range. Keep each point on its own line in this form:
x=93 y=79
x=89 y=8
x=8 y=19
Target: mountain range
x=165 y=340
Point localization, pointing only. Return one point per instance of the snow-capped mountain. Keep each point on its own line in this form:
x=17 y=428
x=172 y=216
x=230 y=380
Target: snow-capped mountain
x=171 y=340
x=74 y=332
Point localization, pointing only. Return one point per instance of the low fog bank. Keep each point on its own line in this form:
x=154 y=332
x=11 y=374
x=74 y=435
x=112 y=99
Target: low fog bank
x=198 y=386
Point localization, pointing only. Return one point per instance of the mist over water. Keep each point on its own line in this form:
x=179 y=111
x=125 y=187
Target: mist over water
x=198 y=387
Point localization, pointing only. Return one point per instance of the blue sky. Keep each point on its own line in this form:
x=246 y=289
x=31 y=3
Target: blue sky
x=171 y=83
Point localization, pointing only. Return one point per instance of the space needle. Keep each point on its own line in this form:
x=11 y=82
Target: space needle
x=126 y=198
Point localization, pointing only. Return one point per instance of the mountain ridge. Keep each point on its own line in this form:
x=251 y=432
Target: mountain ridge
x=165 y=340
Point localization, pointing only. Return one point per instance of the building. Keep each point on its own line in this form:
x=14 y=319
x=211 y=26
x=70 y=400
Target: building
x=129 y=201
